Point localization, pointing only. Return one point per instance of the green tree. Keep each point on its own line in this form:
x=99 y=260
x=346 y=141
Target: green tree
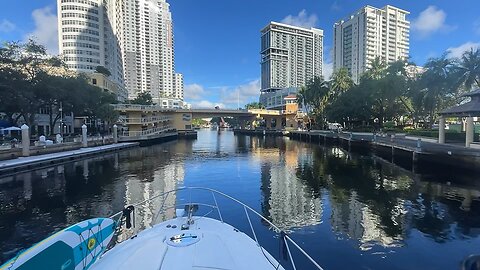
x=27 y=84
x=439 y=84
x=254 y=105
x=143 y=98
x=352 y=107
x=15 y=93
x=33 y=63
x=469 y=69
x=315 y=96
x=340 y=82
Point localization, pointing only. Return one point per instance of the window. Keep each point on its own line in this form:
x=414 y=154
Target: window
x=94 y=81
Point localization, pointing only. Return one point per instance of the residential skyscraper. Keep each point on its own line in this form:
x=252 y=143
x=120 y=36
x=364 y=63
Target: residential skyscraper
x=178 y=85
x=134 y=38
x=87 y=39
x=370 y=33
x=290 y=56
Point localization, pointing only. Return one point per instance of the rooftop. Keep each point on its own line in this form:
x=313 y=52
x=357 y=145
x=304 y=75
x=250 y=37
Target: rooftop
x=471 y=108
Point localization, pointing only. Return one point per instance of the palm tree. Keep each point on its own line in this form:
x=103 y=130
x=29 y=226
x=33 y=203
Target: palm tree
x=377 y=69
x=301 y=96
x=439 y=84
x=341 y=81
x=254 y=105
x=469 y=69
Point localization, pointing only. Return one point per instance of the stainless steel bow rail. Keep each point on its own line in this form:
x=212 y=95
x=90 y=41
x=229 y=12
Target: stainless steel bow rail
x=126 y=213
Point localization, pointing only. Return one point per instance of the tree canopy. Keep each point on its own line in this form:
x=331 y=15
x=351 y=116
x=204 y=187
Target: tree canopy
x=31 y=80
x=254 y=105
x=143 y=98
x=388 y=93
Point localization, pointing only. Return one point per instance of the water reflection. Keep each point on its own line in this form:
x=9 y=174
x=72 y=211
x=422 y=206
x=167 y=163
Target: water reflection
x=377 y=203
x=35 y=204
x=346 y=209
x=286 y=201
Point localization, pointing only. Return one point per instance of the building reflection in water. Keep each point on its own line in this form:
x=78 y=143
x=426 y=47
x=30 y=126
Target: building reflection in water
x=327 y=192
x=36 y=203
x=370 y=201
x=286 y=201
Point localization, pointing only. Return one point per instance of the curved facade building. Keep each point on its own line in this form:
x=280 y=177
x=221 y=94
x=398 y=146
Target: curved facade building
x=81 y=42
x=132 y=38
x=87 y=38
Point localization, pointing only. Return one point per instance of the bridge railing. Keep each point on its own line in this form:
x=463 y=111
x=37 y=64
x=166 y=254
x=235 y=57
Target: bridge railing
x=144 y=120
x=137 y=107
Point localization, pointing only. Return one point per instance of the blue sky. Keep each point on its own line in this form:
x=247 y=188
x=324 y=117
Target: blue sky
x=217 y=42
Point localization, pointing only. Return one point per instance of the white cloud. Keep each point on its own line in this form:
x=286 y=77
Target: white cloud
x=431 y=20
x=207 y=104
x=241 y=94
x=327 y=70
x=46 y=31
x=194 y=91
x=226 y=96
x=335 y=6
x=458 y=51
x=6 y=26
x=301 y=20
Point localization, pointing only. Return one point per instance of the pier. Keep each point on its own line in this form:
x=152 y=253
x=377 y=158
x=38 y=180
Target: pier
x=398 y=147
x=36 y=162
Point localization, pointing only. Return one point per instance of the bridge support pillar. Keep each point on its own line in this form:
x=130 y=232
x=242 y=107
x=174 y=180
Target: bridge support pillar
x=268 y=122
x=278 y=123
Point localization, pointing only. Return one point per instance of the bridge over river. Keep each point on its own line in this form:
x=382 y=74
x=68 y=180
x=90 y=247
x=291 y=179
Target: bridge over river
x=149 y=122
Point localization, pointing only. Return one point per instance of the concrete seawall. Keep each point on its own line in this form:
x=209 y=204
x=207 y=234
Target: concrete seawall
x=35 y=162
x=403 y=149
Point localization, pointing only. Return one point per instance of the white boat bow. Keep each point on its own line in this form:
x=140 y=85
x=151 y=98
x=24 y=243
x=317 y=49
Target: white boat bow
x=190 y=240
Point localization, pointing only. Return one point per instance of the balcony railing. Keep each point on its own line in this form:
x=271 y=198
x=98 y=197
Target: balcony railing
x=136 y=107
x=145 y=120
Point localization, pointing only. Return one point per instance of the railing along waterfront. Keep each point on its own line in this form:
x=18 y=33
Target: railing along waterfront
x=146 y=132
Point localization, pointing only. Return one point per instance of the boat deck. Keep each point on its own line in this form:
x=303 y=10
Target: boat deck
x=207 y=244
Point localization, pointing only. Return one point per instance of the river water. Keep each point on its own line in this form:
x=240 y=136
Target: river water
x=348 y=210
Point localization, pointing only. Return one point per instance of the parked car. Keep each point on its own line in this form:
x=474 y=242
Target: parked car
x=335 y=126
x=435 y=126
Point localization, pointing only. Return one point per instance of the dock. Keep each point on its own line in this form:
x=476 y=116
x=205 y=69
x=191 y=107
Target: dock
x=36 y=162
x=258 y=132
x=398 y=147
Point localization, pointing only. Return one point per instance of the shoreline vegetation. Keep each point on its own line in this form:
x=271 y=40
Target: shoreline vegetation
x=391 y=97
x=33 y=82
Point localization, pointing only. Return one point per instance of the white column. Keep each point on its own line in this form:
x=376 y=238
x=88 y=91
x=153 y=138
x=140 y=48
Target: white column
x=115 y=134
x=469 y=132
x=84 y=136
x=441 y=130
x=25 y=141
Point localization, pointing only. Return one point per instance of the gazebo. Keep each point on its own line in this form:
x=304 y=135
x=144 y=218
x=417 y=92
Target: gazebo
x=469 y=110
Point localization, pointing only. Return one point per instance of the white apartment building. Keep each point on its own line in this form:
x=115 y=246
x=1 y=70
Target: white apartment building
x=133 y=39
x=86 y=38
x=370 y=33
x=178 y=86
x=290 y=56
